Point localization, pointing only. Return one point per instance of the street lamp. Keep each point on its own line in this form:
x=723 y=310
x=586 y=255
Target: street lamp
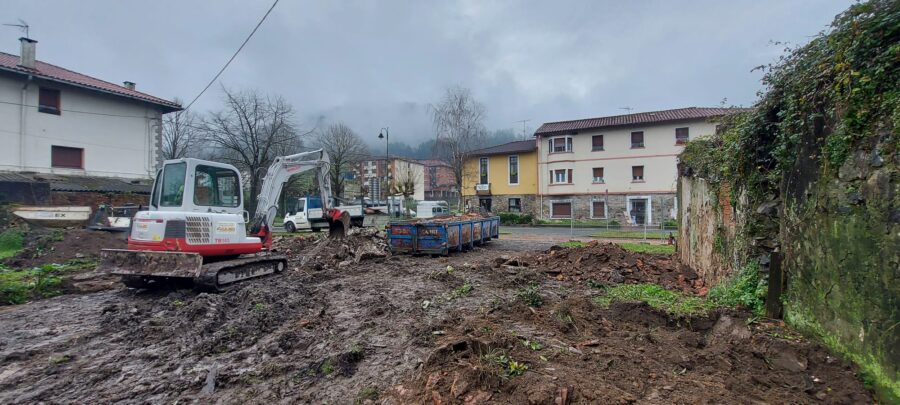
x=385 y=134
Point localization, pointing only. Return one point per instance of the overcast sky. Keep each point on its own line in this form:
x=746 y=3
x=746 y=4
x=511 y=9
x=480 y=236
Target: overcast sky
x=381 y=63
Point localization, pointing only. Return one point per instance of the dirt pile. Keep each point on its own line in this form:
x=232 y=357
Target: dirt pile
x=319 y=251
x=45 y=245
x=607 y=263
x=575 y=352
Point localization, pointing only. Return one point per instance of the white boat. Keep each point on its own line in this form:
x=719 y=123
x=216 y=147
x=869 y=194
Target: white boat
x=57 y=217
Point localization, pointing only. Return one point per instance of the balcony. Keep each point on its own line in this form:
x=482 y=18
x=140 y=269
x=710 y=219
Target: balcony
x=483 y=189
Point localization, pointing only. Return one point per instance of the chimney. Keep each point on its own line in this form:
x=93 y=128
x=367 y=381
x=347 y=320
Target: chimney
x=129 y=85
x=26 y=57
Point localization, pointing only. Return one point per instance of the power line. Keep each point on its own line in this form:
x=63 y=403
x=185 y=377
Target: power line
x=78 y=111
x=232 y=56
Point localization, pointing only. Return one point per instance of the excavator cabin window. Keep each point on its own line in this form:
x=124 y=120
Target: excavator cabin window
x=216 y=187
x=173 y=185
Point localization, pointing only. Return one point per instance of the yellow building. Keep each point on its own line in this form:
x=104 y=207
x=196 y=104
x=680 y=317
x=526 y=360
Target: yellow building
x=502 y=178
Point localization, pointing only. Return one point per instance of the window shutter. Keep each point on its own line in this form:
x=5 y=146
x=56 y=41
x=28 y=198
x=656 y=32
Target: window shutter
x=561 y=209
x=598 y=172
x=597 y=142
x=598 y=208
x=48 y=101
x=61 y=156
x=570 y=176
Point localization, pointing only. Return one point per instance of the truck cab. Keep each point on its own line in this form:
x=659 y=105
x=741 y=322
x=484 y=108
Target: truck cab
x=305 y=214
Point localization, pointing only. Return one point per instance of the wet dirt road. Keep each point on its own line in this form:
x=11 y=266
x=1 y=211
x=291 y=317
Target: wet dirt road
x=407 y=330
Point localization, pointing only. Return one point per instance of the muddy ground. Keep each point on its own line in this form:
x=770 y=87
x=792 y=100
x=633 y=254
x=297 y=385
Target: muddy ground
x=344 y=325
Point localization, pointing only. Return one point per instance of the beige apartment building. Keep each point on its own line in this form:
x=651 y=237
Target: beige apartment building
x=620 y=167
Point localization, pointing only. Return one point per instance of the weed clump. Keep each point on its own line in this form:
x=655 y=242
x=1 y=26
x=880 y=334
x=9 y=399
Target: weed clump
x=745 y=290
x=671 y=302
x=530 y=296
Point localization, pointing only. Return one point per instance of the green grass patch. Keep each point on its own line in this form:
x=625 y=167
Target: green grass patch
x=630 y=235
x=573 y=244
x=746 y=289
x=648 y=248
x=10 y=243
x=671 y=302
x=17 y=286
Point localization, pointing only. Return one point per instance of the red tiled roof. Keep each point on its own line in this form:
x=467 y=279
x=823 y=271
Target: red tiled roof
x=55 y=73
x=509 y=147
x=652 y=117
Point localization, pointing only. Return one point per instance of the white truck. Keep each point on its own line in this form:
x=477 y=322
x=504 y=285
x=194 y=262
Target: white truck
x=300 y=210
x=431 y=209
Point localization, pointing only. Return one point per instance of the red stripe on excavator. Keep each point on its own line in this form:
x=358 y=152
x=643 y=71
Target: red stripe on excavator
x=181 y=245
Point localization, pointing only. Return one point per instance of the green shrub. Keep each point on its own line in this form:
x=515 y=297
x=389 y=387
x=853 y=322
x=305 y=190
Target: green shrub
x=10 y=242
x=745 y=290
x=670 y=223
x=512 y=218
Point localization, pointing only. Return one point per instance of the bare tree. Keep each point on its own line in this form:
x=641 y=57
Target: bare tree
x=405 y=184
x=181 y=134
x=249 y=132
x=344 y=148
x=458 y=123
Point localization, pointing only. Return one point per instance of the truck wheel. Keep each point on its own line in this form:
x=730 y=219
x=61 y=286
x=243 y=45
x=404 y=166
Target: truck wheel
x=290 y=228
x=314 y=229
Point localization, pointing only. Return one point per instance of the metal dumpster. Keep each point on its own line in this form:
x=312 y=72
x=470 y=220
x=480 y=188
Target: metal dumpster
x=441 y=236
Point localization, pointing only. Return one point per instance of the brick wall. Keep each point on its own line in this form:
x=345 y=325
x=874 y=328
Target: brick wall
x=94 y=199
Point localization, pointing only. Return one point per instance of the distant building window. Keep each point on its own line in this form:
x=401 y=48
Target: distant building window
x=48 y=101
x=681 y=136
x=597 y=142
x=63 y=156
x=561 y=176
x=598 y=209
x=598 y=175
x=513 y=169
x=637 y=139
x=637 y=173
x=483 y=171
x=561 y=144
x=515 y=205
x=560 y=209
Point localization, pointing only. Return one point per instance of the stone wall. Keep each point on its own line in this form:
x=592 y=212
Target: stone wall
x=662 y=206
x=500 y=203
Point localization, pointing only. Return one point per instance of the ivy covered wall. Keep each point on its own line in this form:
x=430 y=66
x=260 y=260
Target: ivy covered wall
x=815 y=166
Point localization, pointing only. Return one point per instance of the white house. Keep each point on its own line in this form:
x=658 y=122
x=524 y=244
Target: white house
x=620 y=167
x=54 y=120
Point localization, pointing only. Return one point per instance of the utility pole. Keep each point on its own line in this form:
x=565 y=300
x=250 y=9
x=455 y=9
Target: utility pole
x=524 y=136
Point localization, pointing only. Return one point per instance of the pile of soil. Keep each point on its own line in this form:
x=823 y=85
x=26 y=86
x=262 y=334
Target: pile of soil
x=576 y=352
x=321 y=252
x=47 y=245
x=609 y=263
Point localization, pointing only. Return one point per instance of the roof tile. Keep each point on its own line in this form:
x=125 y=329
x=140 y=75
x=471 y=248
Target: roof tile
x=652 y=117
x=55 y=73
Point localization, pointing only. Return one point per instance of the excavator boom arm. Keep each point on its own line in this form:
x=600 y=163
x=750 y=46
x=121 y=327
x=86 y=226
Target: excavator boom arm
x=278 y=174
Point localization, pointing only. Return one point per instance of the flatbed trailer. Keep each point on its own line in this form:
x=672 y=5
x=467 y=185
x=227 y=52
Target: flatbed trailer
x=441 y=235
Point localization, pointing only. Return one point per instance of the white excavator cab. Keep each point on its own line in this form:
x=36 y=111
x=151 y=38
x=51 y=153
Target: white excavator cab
x=194 y=185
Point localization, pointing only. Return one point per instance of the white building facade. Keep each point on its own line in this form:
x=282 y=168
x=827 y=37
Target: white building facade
x=621 y=168
x=53 y=120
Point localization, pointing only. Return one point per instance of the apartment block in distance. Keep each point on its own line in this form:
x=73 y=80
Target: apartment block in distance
x=619 y=167
x=502 y=178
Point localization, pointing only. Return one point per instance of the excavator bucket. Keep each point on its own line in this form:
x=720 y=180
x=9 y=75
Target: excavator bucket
x=147 y=265
x=337 y=228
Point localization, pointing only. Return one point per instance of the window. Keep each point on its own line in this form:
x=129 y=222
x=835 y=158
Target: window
x=597 y=142
x=216 y=187
x=48 y=101
x=598 y=209
x=63 y=156
x=561 y=176
x=560 y=209
x=598 y=175
x=154 y=196
x=681 y=136
x=637 y=173
x=637 y=139
x=173 y=185
x=561 y=144
x=515 y=205
x=513 y=169
x=483 y=171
